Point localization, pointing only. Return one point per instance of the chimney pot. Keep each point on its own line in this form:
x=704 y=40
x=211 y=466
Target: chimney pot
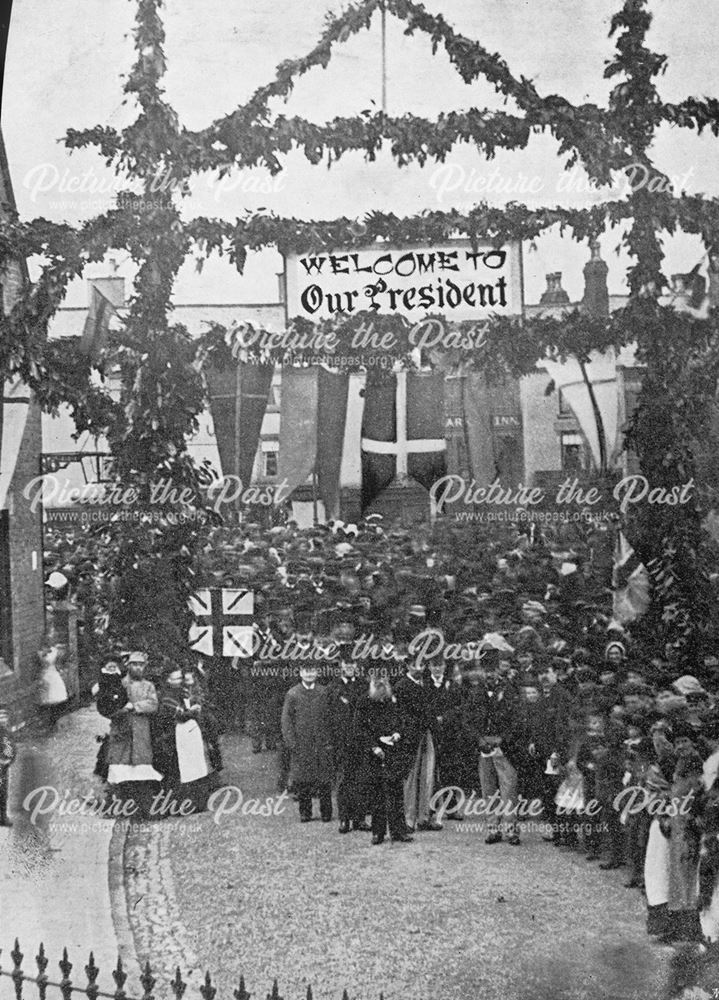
x=596 y=293
x=554 y=294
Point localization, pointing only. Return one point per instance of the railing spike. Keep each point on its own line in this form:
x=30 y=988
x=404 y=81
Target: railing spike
x=41 y=960
x=309 y=992
x=148 y=981
x=177 y=984
x=241 y=992
x=92 y=972
x=66 y=968
x=207 y=990
x=120 y=977
x=91 y=969
x=16 y=955
x=17 y=974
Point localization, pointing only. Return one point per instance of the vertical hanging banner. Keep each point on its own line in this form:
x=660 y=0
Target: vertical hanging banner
x=238 y=400
x=333 y=388
x=468 y=430
x=313 y=412
x=299 y=413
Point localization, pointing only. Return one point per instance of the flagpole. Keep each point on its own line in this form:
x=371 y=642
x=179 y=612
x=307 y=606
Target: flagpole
x=384 y=59
x=402 y=469
x=315 y=517
x=598 y=420
x=238 y=424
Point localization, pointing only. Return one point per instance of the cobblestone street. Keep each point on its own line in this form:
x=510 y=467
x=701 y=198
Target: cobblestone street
x=360 y=396
x=268 y=897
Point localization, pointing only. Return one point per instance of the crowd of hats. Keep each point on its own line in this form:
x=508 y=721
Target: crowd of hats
x=545 y=592
x=542 y=592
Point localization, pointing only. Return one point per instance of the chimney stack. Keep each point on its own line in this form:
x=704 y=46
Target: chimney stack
x=596 y=293
x=554 y=294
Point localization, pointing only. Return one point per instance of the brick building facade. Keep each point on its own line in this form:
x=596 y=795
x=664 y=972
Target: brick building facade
x=22 y=611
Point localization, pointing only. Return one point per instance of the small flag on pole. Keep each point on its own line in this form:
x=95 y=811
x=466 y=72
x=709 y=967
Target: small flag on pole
x=97 y=324
x=630 y=581
x=224 y=625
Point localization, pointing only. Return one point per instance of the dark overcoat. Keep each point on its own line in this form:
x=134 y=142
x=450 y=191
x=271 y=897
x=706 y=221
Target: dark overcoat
x=343 y=699
x=306 y=730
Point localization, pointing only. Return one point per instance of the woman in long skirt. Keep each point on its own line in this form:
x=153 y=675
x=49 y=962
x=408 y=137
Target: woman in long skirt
x=131 y=772
x=187 y=748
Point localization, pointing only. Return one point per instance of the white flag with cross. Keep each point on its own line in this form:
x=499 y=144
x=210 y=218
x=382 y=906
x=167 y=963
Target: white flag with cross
x=403 y=446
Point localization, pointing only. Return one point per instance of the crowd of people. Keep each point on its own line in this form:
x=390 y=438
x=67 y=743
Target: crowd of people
x=162 y=749
x=422 y=676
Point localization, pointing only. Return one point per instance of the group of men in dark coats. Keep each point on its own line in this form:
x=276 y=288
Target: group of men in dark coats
x=393 y=748
x=371 y=741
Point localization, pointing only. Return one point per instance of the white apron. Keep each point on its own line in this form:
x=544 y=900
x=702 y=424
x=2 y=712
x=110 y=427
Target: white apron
x=656 y=866
x=118 y=774
x=190 y=747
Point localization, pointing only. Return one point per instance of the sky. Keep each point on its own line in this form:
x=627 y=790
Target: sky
x=66 y=58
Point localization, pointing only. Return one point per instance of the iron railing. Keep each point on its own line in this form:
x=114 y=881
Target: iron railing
x=92 y=991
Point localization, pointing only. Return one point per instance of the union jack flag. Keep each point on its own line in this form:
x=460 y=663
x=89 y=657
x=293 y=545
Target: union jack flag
x=224 y=625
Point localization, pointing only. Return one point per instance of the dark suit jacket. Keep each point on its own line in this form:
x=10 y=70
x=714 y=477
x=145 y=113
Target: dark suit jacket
x=414 y=708
x=343 y=698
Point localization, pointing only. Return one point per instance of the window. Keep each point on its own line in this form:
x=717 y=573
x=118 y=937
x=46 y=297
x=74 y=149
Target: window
x=269 y=467
x=5 y=592
x=574 y=455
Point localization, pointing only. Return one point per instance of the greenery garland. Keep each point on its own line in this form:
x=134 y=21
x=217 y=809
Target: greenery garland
x=162 y=392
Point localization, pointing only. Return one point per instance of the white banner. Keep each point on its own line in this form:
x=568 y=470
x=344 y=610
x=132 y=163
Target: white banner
x=451 y=279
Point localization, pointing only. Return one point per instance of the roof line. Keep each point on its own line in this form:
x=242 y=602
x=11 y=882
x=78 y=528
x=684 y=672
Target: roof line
x=195 y=305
